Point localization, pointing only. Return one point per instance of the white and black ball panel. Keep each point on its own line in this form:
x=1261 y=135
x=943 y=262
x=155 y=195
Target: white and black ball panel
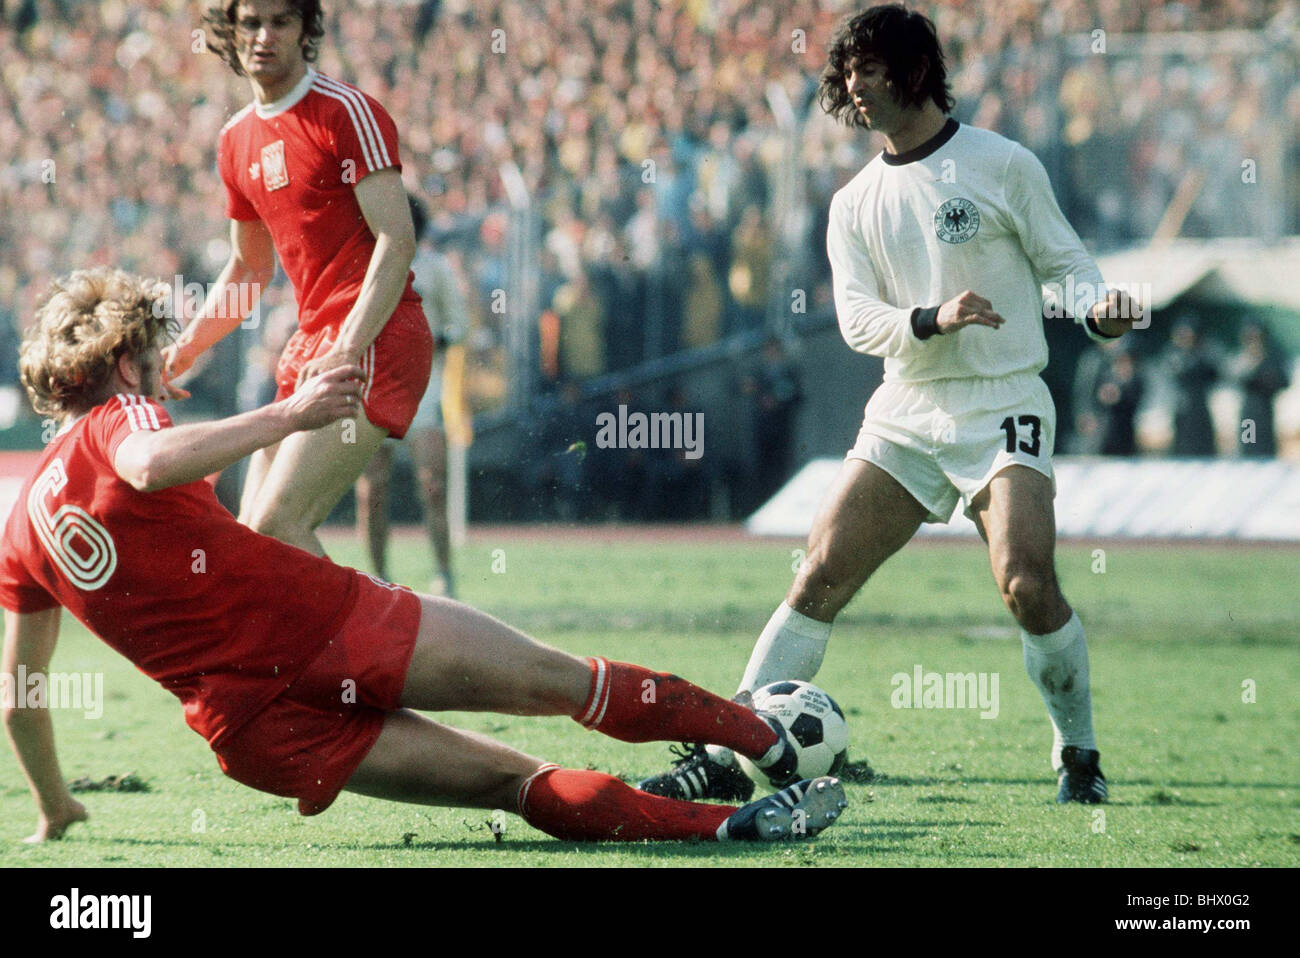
x=807 y=730
x=788 y=687
x=814 y=721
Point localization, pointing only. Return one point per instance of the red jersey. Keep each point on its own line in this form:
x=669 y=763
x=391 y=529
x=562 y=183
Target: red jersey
x=294 y=164
x=222 y=617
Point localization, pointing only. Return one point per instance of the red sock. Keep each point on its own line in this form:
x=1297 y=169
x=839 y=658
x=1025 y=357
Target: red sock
x=633 y=704
x=582 y=806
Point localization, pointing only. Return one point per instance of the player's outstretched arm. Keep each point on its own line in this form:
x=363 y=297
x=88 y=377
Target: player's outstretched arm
x=387 y=213
x=250 y=268
x=152 y=460
x=29 y=645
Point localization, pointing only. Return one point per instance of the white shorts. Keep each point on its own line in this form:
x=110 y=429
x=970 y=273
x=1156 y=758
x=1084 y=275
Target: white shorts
x=945 y=440
x=429 y=413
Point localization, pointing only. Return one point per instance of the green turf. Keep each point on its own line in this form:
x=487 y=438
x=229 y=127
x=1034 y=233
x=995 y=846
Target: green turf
x=1198 y=776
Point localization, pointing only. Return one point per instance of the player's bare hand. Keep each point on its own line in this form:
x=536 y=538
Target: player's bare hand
x=322 y=399
x=323 y=364
x=1116 y=314
x=967 y=309
x=171 y=391
x=50 y=827
x=177 y=360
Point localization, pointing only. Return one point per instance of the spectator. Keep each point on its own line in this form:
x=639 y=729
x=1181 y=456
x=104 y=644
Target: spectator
x=561 y=463
x=582 y=329
x=1119 y=394
x=677 y=481
x=1088 y=371
x=1192 y=373
x=702 y=322
x=777 y=395
x=751 y=269
x=1259 y=372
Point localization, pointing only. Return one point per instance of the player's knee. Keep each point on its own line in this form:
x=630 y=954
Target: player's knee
x=433 y=485
x=1030 y=594
x=278 y=524
x=820 y=586
x=372 y=491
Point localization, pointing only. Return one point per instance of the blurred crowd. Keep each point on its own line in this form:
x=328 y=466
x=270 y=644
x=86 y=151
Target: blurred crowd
x=1114 y=386
x=643 y=130
x=669 y=208
x=570 y=478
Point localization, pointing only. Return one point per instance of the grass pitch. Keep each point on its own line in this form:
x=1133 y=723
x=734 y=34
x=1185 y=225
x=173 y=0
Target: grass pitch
x=1194 y=670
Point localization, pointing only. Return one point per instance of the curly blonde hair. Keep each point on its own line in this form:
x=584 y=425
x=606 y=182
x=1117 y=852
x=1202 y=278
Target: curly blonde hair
x=85 y=321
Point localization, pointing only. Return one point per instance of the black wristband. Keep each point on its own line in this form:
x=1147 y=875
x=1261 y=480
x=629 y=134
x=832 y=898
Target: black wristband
x=1092 y=325
x=925 y=321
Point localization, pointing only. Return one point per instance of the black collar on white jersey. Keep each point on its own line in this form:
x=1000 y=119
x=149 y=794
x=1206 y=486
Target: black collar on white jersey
x=925 y=149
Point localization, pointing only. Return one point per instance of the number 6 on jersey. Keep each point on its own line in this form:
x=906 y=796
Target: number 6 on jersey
x=58 y=531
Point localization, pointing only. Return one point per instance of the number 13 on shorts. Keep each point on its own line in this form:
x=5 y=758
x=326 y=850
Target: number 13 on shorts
x=1026 y=422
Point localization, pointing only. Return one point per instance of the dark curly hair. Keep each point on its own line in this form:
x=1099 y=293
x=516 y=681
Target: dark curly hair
x=219 y=24
x=902 y=40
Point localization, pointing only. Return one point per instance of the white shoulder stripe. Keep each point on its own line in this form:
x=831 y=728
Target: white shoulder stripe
x=374 y=126
x=368 y=368
x=139 y=414
x=237 y=117
x=365 y=144
x=132 y=414
x=381 y=148
x=363 y=120
x=368 y=122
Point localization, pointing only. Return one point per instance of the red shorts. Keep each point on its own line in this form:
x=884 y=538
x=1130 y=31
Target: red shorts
x=310 y=739
x=397 y=366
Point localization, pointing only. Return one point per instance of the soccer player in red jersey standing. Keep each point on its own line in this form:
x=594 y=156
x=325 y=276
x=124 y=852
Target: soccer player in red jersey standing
x=312 y=172
x=301 y=674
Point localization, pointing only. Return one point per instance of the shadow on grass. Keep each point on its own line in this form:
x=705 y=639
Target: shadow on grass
x=873 y=837
x=946 y=800
x=685 y=848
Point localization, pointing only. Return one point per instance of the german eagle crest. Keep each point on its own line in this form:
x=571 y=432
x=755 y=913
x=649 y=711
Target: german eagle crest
x=956 y=220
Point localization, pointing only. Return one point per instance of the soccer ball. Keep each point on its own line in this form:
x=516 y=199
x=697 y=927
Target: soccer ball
x=814 y=722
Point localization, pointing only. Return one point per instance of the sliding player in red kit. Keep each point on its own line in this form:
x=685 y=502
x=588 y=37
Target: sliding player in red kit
x=312 y=173
x=301 y=674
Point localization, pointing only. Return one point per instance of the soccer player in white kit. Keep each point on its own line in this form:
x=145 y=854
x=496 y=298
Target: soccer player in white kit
x=939 y=250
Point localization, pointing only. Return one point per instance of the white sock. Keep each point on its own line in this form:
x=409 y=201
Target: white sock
x=791 y=646
x=1057 y=664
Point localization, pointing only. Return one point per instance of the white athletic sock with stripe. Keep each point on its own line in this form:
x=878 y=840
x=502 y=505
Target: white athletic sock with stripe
x=1057 y=664
x=791 y=646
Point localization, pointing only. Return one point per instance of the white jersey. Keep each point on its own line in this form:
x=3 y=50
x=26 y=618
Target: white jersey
x=969 y=209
